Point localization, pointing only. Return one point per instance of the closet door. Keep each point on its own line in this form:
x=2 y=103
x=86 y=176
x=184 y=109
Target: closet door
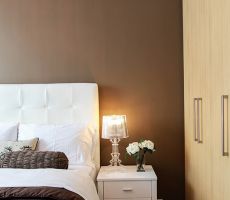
x=226 y=132
x=190 y=81
x=203 y=147
x=216 y=93
x=197 y=99
x=220 y=51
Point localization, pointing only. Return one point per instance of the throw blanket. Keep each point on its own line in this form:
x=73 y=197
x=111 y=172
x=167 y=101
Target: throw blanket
x=37 y=193
x=77 y=181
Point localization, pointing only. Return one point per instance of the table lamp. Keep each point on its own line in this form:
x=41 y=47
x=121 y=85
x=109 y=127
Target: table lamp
x=114 y=127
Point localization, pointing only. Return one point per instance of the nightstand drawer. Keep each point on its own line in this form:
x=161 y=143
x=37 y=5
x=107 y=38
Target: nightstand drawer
x=127 y=189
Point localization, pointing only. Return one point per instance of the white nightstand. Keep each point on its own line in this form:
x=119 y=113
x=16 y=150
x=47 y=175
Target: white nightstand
x=123 y=183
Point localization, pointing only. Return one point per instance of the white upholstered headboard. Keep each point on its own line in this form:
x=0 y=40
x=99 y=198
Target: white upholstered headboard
x=51 y=103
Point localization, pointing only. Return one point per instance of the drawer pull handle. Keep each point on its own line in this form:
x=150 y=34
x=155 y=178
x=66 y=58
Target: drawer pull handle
x=127 y=189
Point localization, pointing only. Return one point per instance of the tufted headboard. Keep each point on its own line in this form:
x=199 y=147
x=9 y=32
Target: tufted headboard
x=51 y=103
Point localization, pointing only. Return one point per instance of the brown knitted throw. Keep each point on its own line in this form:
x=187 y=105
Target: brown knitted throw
x=34 y=160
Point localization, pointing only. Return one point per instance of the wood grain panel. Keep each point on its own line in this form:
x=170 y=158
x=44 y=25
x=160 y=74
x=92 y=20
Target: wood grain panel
x=197 y=63
x=209 y=63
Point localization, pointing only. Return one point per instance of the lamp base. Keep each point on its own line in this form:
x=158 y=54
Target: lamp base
x=115 y=161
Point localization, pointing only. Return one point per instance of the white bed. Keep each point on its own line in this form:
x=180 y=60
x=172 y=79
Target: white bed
x=53 y=104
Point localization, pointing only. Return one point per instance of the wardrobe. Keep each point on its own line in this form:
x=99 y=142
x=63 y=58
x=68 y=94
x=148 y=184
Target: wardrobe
x=206 y=27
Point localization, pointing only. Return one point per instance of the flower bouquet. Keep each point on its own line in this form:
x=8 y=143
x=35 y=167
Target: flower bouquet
x=138 y=151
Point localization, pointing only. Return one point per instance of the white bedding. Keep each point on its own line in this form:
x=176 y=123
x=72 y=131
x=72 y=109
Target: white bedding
x=76 y=180
x=90 y=170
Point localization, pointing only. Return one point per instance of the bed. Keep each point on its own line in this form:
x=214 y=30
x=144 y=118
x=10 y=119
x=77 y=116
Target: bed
x=49 y=104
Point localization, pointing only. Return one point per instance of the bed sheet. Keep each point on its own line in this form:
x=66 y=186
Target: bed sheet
x=77 y=180
x=90 y=170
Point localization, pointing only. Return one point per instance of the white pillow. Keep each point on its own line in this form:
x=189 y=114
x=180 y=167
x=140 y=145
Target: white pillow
x=8 y=131
x=75 y=140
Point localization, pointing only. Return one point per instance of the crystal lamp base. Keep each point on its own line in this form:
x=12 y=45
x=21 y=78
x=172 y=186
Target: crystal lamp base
x=115 y=161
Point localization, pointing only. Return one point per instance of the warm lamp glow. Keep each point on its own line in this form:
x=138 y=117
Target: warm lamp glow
x=114 y=127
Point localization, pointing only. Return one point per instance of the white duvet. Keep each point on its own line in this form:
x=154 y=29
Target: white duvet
x=76 y=181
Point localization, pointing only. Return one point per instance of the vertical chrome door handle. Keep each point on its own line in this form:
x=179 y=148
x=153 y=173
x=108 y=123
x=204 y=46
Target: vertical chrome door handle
x=224 y=124
x=199 y=120
x=195 y=119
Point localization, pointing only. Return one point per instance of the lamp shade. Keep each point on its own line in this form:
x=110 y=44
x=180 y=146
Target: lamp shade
x=114 y=126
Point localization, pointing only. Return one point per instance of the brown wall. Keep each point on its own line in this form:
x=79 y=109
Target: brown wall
x=131 y=48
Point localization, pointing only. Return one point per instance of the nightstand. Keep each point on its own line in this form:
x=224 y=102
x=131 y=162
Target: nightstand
x=123 y=183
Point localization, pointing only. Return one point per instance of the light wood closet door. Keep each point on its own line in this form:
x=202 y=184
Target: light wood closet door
x=216 y=92
x=226 y=67
x=197 y=82
x=205 y=148
x=202 y=90
x=189 y=90
x=220 y=59
x=190 y=155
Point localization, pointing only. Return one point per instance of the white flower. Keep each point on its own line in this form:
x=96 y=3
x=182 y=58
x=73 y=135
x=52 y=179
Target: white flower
x=147 y=144
x=133 y=148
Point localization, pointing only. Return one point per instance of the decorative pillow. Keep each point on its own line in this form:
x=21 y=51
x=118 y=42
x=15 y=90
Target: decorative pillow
x=10 y=146
x=75 y=140
x=34 y=160
x=8 y=131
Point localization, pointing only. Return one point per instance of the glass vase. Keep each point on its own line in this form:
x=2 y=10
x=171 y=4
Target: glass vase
x=141 y=163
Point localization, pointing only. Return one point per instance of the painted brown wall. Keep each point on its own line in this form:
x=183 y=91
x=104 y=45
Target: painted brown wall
x=131 y=48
